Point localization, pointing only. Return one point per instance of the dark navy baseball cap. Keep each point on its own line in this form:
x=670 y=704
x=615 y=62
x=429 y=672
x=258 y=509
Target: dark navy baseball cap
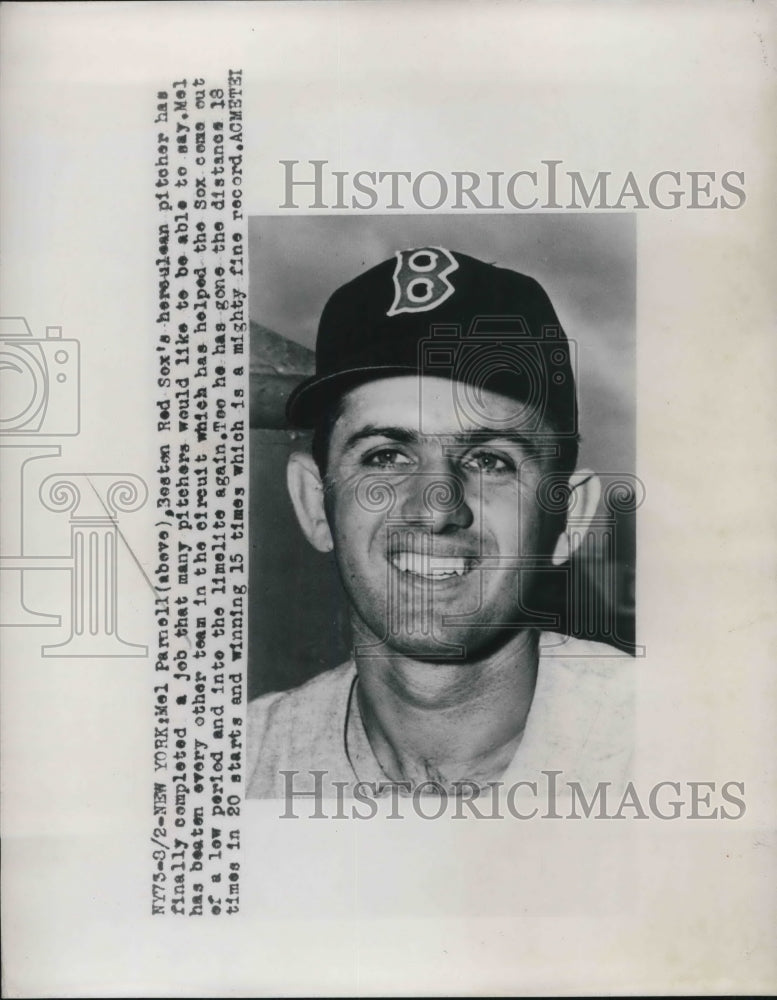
x=435 y=312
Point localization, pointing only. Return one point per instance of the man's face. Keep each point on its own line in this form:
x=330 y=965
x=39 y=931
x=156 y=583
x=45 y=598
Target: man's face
x=437 y=534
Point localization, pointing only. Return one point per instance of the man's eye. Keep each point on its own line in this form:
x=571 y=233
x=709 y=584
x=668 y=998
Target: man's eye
x=386 y=458
x=487 y=461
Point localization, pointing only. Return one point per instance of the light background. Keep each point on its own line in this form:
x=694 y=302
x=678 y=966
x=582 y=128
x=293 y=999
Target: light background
x=416 y=907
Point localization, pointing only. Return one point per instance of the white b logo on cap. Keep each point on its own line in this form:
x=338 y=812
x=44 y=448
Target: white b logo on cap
x=421 y=279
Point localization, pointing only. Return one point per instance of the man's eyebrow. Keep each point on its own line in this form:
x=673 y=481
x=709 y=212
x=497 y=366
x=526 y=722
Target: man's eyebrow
x=463 y=439
x=402 y=435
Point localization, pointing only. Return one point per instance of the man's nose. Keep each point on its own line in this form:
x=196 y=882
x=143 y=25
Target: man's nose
x=435 y=500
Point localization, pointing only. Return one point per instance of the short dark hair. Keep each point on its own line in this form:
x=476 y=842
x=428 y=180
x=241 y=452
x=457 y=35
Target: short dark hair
x=322 y=433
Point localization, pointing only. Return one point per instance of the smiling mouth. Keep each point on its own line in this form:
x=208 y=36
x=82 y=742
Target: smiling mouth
x=431 y=567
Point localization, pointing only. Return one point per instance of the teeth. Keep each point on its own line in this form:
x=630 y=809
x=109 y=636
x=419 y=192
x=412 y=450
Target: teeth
x=434 y=568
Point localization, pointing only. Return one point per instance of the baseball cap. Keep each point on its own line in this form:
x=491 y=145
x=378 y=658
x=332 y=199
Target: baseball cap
x=437 y=312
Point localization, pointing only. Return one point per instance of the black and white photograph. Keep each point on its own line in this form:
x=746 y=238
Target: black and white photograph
x=441 y=575
x=387 y=407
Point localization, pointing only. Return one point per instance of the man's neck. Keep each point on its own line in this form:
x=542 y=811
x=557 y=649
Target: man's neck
x=448 y=722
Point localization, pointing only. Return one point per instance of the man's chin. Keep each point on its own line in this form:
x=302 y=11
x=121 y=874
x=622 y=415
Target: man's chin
x=445 y=645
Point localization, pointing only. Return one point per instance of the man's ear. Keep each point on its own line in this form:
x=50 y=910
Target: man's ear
x=585 y=489
x=307 y=496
